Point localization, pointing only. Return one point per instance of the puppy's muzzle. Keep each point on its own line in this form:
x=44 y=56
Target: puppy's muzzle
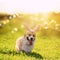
x=31 y=39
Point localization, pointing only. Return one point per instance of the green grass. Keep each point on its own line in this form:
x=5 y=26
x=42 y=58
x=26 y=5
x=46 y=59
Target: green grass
x=45 y=47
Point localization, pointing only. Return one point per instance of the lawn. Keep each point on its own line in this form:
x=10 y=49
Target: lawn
x=46 y=47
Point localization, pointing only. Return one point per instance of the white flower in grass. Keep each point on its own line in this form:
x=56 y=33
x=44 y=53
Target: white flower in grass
x=57 y=27
x=7 y=21
x=10 y=17
x=1 y=24
x=46 y=27
x=14 y=16
x=12 y=31
x=15 y=29
x=52 y=21
x=4 y=22
x=22 y=26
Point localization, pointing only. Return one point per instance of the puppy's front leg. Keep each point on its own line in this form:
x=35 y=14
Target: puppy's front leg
x=18 y=45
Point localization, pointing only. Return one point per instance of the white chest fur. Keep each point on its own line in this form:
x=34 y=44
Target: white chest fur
x=26 y=47
x=23 y=44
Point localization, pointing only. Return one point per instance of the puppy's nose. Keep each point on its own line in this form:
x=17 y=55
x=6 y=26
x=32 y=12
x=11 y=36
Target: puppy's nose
x=31 y=38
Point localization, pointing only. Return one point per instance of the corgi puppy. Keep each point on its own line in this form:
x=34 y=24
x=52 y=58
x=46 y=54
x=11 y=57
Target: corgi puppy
x=26 y=42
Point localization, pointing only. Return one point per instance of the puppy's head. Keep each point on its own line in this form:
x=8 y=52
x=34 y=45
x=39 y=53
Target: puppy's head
x=31 y=34
x=30 y=38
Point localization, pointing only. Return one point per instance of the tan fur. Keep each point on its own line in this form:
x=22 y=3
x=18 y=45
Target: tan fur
x=22 y=44
x=19 y=44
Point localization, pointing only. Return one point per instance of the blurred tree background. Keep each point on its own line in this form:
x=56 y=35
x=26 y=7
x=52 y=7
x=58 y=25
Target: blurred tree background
x=50 y=23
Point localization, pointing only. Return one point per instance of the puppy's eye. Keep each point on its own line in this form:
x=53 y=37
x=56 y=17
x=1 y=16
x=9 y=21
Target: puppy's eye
x=29 y=34
x=33 y=35
x=27 y=38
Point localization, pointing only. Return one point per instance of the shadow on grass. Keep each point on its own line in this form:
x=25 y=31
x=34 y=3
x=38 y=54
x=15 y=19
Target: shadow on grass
x=8 y=52
x=31 y=54
x=34 y=54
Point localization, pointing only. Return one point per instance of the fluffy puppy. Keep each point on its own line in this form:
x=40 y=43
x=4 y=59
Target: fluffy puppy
x=26 y=42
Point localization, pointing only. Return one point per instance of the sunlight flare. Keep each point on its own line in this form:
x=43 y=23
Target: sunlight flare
x=29 y=6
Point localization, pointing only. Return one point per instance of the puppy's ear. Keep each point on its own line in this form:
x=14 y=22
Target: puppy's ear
x=27 y=27
x=36 y=28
